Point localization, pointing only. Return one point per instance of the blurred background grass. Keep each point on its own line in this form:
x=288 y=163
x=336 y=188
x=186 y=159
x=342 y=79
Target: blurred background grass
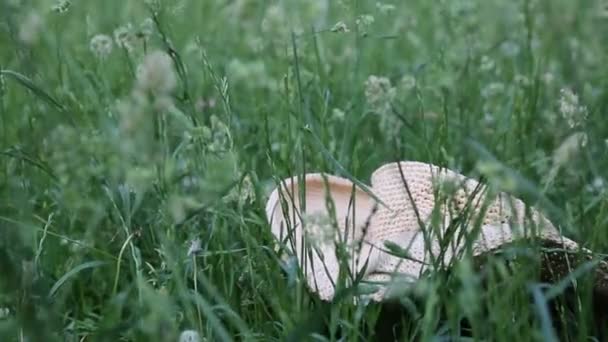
x=139 y=140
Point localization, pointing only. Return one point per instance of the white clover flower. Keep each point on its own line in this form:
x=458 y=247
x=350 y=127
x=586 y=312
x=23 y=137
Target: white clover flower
x=146 y=29
x=493 y=89
x=486 y=63
x=124 y=37
x=250 y=73
x=379 y=93
x=597 y=186
x=101 y=46
x=195 y=247
x=29 y=30
x=340 y=26
x=510 y=49
x=76 y=245
x=522 y=80
x=4 y=312
x=190 y=336
x=548 y=78
x=156 y=74
x=338 y=114
x=364 y=21
x=256 y=44
x=569 y=148
x=408 y=82
x=570 y=109
x=574 y=44
x=385 y=8
x=275 y=147
x=413 y=38
x=599 y=183
x=62 y=6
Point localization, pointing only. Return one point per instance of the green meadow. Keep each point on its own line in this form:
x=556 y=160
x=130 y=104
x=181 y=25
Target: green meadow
x=140 y=140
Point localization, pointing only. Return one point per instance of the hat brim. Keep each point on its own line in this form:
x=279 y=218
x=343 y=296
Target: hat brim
x=334 y=212
x=355 y=223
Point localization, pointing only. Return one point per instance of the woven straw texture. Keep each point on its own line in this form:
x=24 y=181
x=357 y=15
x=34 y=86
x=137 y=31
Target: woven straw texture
x=419 y=208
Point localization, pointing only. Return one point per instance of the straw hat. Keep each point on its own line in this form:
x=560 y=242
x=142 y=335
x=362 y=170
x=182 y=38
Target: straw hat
x=432 y=213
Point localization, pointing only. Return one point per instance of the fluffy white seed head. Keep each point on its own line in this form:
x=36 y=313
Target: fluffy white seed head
x=124 y=37
x=190 y=336
x=156 y=74
x=101 y=46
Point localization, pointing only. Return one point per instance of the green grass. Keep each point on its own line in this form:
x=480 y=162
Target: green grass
x=104 y=188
